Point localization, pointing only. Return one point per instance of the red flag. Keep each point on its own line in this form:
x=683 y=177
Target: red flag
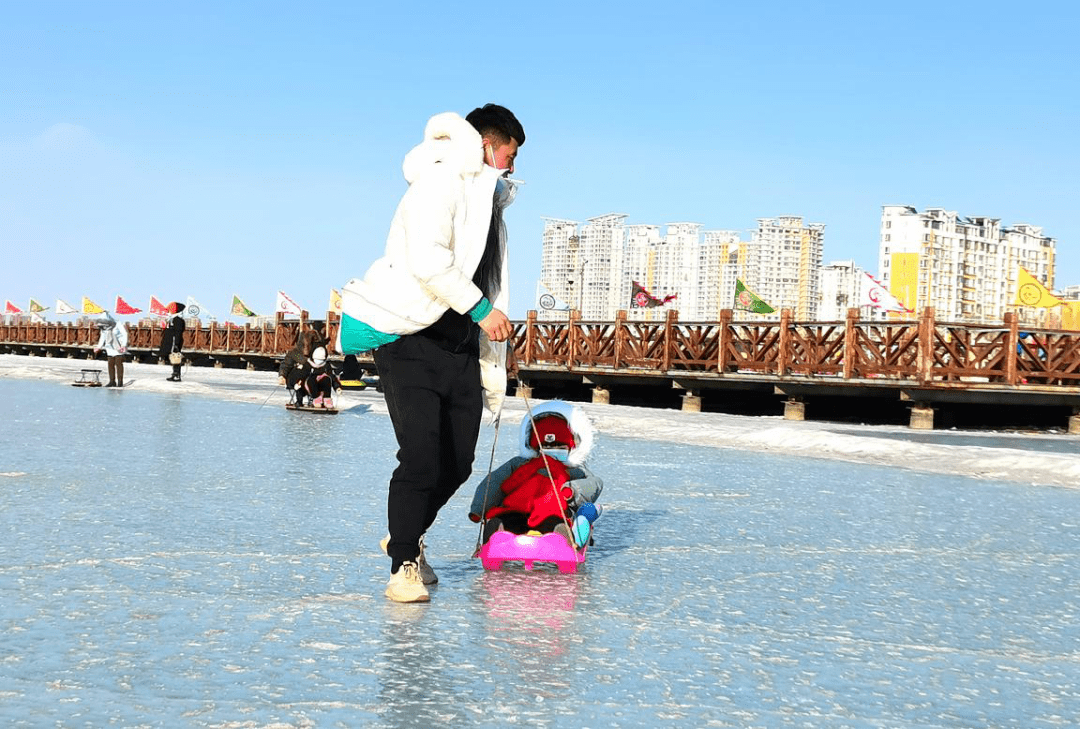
x=123 y=307
x=12 y=309
x=642 y=299
x=157 y=308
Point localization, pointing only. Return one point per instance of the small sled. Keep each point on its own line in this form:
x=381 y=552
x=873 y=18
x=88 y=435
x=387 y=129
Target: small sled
x=309 y=409
x=353 y=385
x=529 y=548
x=88 y=378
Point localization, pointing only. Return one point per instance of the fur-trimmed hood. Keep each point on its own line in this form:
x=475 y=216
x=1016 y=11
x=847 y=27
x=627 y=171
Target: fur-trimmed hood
x=579 y=423
x=448 y=140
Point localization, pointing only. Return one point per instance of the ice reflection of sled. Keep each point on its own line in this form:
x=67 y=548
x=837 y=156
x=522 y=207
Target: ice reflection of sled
x=88 y=378
x=527 y=548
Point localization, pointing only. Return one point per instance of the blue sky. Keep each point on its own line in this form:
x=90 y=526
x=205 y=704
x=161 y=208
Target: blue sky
x=207 y=149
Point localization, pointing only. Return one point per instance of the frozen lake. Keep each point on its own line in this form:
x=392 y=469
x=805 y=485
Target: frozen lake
x=186 y=555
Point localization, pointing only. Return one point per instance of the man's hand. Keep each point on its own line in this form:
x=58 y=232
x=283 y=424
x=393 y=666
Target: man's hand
x=497 y=326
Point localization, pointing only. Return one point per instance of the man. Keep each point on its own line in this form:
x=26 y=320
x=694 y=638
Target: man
x=114 y=340
x=432 y=308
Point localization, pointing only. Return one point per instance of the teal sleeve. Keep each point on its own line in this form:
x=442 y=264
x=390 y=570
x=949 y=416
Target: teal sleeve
x=482 y=309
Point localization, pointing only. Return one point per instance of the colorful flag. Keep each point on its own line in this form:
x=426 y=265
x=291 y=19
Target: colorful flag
x=239 y=308
x=36 y=318
x=1029 y=292
x=335 y=302
x=12 y=309
x=195 y=309
x=36 y=308
x=63 y=307
x=123 y=307
x=547 y=301
x=747 y=300
x=874 y=294
x=642 y=299
x=284 y=305
x=89 y=307
x=157 y=308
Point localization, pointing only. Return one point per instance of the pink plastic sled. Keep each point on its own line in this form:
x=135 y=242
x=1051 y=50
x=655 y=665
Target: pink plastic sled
x=509 y=547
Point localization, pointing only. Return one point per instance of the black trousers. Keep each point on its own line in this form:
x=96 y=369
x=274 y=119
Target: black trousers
x=435 y=402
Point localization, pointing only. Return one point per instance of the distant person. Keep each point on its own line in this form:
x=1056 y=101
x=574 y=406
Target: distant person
x=351 y=373
x=321 y=381
x=432 y=309
x=172 y=341
x=114 y=340
x=295 y=367
x=319 y=327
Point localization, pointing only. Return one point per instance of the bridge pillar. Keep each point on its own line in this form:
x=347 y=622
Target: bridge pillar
x=922 y=417
x=522 y=390
x=1074 y=422
x=601 y=395
x=794 y=409
x=691 y=402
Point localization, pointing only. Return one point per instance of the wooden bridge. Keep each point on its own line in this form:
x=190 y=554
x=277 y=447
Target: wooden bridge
x=923 y=363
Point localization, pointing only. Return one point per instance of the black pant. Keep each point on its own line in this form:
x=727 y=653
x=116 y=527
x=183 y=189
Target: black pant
x=319 y=388
x=435 y=402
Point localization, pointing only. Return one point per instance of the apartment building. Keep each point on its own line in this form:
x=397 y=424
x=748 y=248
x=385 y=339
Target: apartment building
x=783 y=263
x=963 y=267
x=841 y=289
x=592 y=266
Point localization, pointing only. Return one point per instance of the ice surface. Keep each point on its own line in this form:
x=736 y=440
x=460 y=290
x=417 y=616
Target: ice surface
x=195 y=555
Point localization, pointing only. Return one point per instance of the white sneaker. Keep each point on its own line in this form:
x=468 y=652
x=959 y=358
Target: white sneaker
x=426 y=573
x=405 y=585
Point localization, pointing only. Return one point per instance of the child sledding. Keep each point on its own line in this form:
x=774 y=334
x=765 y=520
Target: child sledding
x=539 y=506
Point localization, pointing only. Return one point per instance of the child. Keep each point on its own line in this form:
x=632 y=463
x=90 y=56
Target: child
x=542 y=489
x=321 y=380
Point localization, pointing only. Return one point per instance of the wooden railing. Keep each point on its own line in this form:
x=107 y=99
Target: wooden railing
x=923 y=351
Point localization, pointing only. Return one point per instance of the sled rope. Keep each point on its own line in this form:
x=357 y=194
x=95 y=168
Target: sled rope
x=487 y=484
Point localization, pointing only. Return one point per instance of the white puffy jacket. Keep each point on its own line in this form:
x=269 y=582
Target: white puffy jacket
x=436 y=241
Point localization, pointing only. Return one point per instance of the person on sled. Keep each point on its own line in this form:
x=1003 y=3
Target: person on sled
x=321 y=380
x=295 y=368
x=547 y=486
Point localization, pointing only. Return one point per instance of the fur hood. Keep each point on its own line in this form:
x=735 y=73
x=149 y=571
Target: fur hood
x=575 y=417
x=448 y=140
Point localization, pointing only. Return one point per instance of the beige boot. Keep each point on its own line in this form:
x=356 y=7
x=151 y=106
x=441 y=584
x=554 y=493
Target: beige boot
x=405 y=585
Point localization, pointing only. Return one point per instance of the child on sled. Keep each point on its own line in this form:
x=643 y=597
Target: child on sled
x=547 y=487
x=321 y=381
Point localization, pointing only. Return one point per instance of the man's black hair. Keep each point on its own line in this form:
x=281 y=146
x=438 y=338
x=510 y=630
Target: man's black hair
x=492 y=120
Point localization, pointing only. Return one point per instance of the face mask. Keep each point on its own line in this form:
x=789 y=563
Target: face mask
x=505 y=191
x=559 y=454
x=505 y=188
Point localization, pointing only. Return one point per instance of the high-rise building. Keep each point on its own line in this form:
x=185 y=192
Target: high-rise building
x=964 y=267
x=783 y=264
x=841 y=289
x=721 y=258
x=592 y=267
